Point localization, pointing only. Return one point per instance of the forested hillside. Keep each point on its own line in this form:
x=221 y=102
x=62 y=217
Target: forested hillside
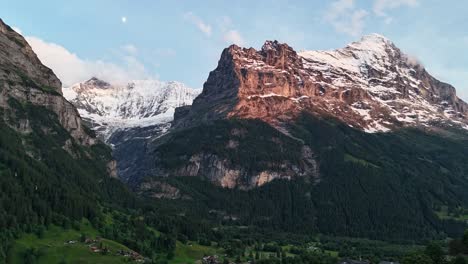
x=388 y=186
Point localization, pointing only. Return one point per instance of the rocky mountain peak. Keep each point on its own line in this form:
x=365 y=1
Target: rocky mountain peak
x=137 y=103
x=22 y=62
x=279 y=55
x=374 y=39
x=97 y=83
x=369 y=84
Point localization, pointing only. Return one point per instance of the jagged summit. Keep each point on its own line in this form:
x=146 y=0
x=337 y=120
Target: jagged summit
x=97 y=83
x=138 y=103
x=375 y=38
x=369 y=84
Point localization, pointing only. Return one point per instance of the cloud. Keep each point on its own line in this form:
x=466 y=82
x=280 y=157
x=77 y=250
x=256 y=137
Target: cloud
x=233 y=37
x=198 y=22
x=381 y=7
x=413 y=60
x=130 y=49
x=346 y=18
x=229 y=33
x=72 y=69
x=124 y=19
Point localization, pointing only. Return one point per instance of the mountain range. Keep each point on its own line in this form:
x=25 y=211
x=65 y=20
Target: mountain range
x=369 y=85
x=361 y=141
x=140 y=103
x=367 y=138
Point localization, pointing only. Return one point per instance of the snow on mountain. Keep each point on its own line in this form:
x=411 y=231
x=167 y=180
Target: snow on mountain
x=369 y=84
x=395 y=83
x=140 y=103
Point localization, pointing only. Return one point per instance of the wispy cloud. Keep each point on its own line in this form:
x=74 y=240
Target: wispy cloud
x=233 y=37
x=198 y=22
x=346 y=18
x=230 y=34
x=72 y=69
x=381 y=7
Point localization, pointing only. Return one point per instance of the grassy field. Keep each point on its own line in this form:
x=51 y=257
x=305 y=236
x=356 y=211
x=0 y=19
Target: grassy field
x=52 y=247
x=192 y=252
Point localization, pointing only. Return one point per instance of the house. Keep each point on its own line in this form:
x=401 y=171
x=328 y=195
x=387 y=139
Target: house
x=95 y=249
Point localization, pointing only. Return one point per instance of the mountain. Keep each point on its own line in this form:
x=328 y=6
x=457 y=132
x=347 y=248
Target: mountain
x=361 y=141
x=370 y=84
x=57 y=180
x=128 y=116
x=140 y=103
x=53 y=170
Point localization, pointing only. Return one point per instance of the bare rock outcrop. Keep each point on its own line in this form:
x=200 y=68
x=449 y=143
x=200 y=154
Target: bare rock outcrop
x=370 y=84
x=25 y=79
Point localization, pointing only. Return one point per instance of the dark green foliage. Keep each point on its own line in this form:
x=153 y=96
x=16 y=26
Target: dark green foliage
x=408 y=172
x=40 y=182
x=435 y=253
x=417 y=258
x=459 y=260
x=380 y=186
x=259 y=145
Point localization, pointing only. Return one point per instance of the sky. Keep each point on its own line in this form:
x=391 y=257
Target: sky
x=182 y=40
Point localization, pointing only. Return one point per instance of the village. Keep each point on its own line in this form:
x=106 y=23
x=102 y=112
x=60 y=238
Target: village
x=97 y=245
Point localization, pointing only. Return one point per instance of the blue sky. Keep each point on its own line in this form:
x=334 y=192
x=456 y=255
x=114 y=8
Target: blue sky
x=182 y=40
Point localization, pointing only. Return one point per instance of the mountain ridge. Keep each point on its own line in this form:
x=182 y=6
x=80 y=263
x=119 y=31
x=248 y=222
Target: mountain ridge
x=137 y=103
x=370 y=84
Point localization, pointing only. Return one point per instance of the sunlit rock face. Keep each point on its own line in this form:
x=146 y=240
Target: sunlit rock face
x=370 y=84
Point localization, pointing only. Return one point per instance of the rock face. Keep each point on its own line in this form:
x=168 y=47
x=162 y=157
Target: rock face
x=24 y=78
x=17 y=55
x=370 y=85
x=222 y=172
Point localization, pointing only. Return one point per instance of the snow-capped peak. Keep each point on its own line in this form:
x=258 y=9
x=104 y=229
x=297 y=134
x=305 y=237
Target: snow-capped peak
x=375 y=38
x=97 y=83
x=138 y=103
x=369 y=84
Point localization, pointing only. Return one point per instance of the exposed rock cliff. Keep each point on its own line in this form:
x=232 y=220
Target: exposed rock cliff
x=27 y=87
x=369 y=84
x=24 y=78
